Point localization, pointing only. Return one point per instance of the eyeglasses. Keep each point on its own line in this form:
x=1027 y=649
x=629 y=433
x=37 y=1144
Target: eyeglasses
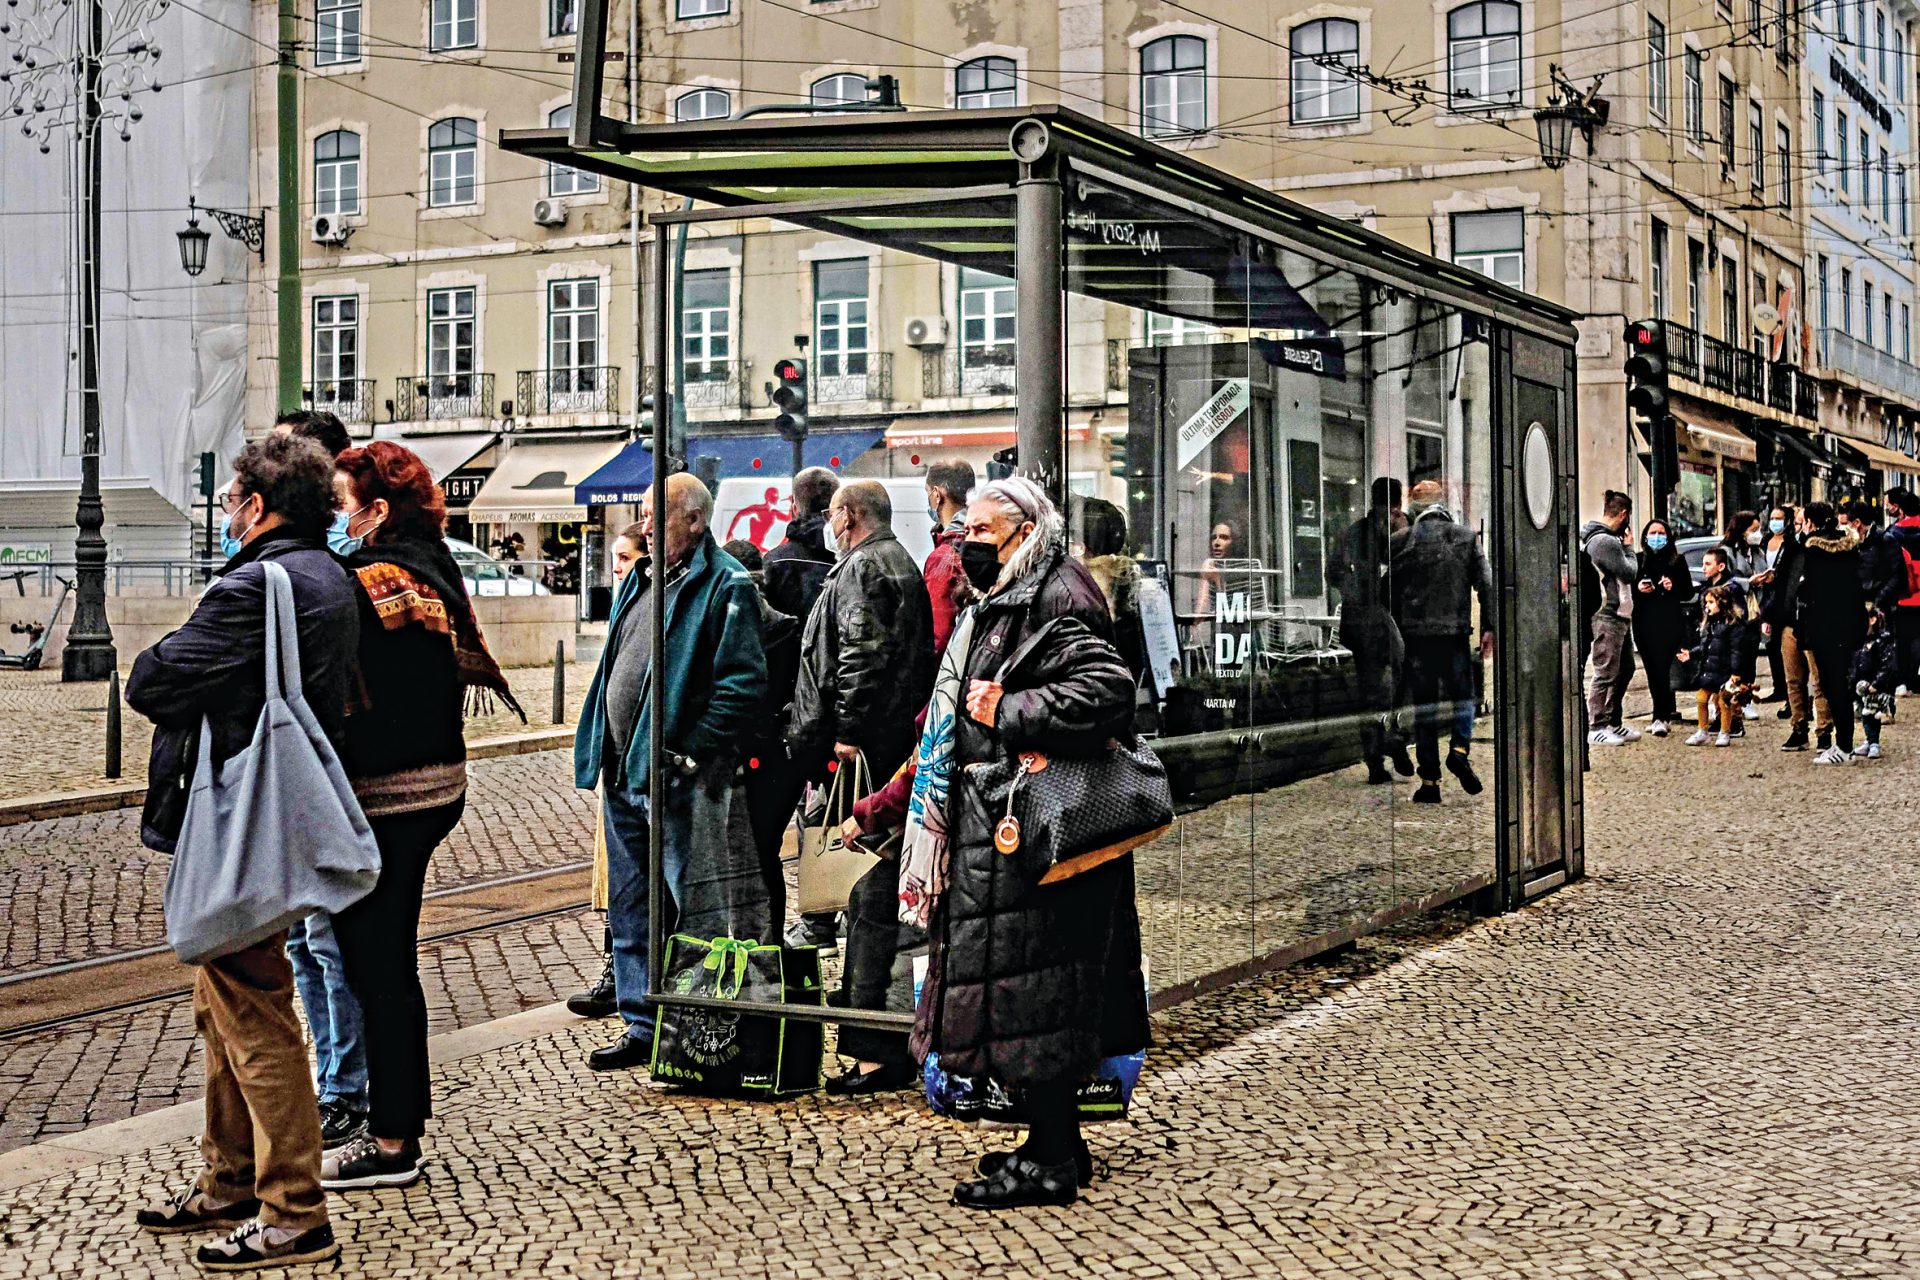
x=229 y=499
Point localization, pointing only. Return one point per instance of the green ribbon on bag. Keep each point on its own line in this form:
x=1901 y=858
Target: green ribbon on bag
x=727 y=958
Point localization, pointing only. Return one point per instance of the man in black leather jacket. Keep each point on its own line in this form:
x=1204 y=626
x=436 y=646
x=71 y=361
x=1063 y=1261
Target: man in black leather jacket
x=797 y=568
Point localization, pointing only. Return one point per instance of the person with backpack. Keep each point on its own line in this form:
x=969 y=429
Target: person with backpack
x=1608 y=570
x=1662 y=588
x=1904 y=533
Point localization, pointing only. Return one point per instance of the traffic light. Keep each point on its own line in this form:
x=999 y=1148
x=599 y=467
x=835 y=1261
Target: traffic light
x=206 y=475
x=644 y=426
x=1003 y=462
x=791 y=398
x=1648 y=399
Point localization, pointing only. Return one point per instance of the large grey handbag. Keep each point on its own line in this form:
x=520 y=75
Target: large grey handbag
x=275 y=833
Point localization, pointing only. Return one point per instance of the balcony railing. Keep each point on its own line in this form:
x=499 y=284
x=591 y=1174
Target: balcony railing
x=968 y=371
x=1844 y=353
x=1718 y=364
x=349 y=399
x=861 y=378
x=589 y=389
x=431 y=397
x=718 y=384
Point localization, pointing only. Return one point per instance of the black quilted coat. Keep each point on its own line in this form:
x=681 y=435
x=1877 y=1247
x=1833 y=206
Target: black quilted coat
x=1032 y=984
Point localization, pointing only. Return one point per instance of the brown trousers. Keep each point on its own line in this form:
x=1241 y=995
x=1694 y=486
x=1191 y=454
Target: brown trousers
x=1711 y=705
x=263 y=1123
x=1795 y=658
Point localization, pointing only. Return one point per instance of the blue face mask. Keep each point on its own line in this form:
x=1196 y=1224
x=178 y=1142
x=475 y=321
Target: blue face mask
x=1776 y=526
x=337 y=540
x=230 y=544
x=1656 y=542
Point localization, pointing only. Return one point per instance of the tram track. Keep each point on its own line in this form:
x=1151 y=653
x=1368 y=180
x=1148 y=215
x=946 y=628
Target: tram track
x=58 y=995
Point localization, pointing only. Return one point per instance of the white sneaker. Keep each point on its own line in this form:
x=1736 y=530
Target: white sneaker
x=1873 y=751
x=1606 y=736
x=1627 y=732
x=1698 y=738
x=1833 y=755
x=1658 y=728
x=1863 y=750
x=1722 y=740
x=1749 y=712
x=1903 y=692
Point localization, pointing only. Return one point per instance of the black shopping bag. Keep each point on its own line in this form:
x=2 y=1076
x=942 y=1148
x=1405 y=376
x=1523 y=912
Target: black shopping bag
x=724 y=1052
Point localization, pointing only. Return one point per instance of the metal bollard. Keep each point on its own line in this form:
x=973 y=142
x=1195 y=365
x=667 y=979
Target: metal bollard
x=559 y=681
x=113 y=724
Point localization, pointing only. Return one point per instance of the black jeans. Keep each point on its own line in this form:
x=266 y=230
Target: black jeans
x=875 y=939
x=1440 y=686
x=1830 y=662
x=379 y=940
x=773 y=792
x=1657 y=648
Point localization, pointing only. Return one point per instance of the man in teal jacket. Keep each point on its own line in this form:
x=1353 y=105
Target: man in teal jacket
x=714 y=678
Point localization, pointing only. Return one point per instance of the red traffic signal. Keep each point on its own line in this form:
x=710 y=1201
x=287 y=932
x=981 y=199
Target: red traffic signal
x=1645 y=334
x=789 y=370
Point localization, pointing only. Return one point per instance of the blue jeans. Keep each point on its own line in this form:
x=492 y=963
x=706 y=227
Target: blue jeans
x=627 y=875
x=339 y=1049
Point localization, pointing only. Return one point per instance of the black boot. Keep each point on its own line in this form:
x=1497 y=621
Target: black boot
x=1462 y=769
x=1377 y=772
x=993 y=1162
x=1019 y=1184
x=1797 y=740
x=598 y=1000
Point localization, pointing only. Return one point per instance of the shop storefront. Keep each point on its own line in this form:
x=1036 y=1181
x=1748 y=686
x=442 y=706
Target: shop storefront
x=526 y=511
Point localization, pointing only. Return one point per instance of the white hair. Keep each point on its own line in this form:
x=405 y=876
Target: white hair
x=1022 y=500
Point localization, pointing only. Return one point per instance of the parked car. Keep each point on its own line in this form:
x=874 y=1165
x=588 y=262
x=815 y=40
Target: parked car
x=486 y=576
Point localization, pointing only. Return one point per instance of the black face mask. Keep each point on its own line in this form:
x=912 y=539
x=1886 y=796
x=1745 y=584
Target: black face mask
x=980 y=561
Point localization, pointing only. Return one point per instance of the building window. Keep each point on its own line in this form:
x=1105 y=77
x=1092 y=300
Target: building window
x=986 y=82
x=1758 y=296
x=1866 y=169
x=573 y=337
x=1757 y=143
x=1783 y=156
x=336 y=32
x=1860 y=30
x=1483 y=55
x=840 y=321
x=699 y=8
x=1696 y=285
x=838 y=90
x=1656 y=68
x=1728 y=90
x=456 y=25
x=1696 y=104
x=1899 y=58
x=1880 y=43
x=987 y=326
x=1839 y=18
x=560 y=18
x=1866 y=312
x=1657 y=255
x=1729 y=300
x=1843 y=162
x=1886 y=188
x=706 y=324
x=703 y=104
x=1820 y=131
x=1321 y=91
x=563 y=179
x=1492 y=244
x=1173 y=85
x=336 y=348
x=1905 y=229
x=1846 y=300
x=1426 y=457
x=1826 y=305
x=1906 y=332
x=453 y=157
x=1886 y=321
x=1756 y=19
x=1177 y=331
x=450 y=341
x=336 y=172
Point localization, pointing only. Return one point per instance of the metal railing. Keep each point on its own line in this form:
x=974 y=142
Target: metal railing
x=431 y=397
x=1844 y=353
x=1736 y=371
x=187 y=575
x=718 y=384
x=589 y=389
x=872 y=381
x=968 y=371
x=349 y=399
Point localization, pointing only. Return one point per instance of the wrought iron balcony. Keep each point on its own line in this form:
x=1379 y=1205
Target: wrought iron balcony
x=432 y=397
x=1720 y=365
x=862 y=378
x=588 y=389
x=348 y=399
x=968 y=371
x=718 y=384
x=1844 y=353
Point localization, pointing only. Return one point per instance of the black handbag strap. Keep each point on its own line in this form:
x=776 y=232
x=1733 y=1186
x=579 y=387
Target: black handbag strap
x=1027 y=647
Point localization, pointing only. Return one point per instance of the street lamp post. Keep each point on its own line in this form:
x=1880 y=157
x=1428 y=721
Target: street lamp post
x=1568 y=109
x=69 y=66
x=245 y=228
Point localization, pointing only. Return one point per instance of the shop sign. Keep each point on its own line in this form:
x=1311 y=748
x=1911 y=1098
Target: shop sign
x=1220 y=411
x=1232 y=630
x=1859 y=92
x=462 y=487
x=15 y=554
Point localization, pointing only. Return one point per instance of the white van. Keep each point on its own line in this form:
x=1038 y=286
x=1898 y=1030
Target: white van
x=758 y=510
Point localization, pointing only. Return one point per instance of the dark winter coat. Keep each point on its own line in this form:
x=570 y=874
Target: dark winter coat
x=1725 y=649
x=780 y=642
x=1877 y=663
x=796 y=570
x=1033 y=984
x=1437 y=567
x=1830 y=612
x=215 y=667
x=1780 y=599
x=1659 y=617
x=866 y=659
x=1743 y=611
x=1883 y=570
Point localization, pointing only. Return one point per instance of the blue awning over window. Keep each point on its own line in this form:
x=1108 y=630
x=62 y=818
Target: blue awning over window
x=625 y=478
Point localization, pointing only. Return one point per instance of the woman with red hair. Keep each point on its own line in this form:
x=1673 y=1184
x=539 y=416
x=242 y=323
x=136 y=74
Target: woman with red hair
x=420 y=656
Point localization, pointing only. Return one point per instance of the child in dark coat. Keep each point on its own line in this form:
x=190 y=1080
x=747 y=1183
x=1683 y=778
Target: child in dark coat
x=1875 y=674
x=1715 y=663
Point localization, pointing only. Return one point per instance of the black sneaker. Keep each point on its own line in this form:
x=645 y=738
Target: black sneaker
x=1796 y=741
x=1825 y=742
x=1461 y=768
x=254 y=1244
x=1784 y=713
x=361 y=1163
x=340 y=1123
x=190 y=1210
x=1377 y=773
x=598 y=1000
x=1402 y=762
x=1427 y=793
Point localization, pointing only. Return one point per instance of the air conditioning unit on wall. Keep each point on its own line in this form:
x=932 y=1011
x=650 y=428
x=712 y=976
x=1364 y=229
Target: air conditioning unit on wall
x=329 y=228
x=550 y=212
x=927 y=331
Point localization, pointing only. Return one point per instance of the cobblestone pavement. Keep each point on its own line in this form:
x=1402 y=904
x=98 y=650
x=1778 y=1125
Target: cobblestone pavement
x=1697 y=1063
x=53 y=736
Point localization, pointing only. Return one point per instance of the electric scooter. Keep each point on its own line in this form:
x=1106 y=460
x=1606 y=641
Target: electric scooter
x=36 y=633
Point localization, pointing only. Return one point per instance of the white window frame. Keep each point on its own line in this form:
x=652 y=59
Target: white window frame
x=453 y=24
x=445 y=343
x=1881 y=44
x=1783 y=159
x=993 y=94
x=1163 y=330
x=840 y=79
x=1843 y=160
x=1819 y=131
x=336 y=32
x=1846 y=301
x=563 y=18
x=1658 y=244
x=331 y=175
x=704 y=96
x=1478 y=65
x=1318 y=94
x=1509 y=266
x=840 y=374
x=688 y=10
x=1757 y=143
x=329 y=358
x=564 y=179
x=575 y=344
x=986 y=359
x=1180 y=88
x=445 y=169
x=1694 y=121
x=706 y=332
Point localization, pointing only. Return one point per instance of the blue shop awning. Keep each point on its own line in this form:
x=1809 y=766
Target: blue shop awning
x=626 y=476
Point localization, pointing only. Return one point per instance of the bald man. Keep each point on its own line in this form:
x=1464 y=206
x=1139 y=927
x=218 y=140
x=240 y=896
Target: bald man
x=715 y=676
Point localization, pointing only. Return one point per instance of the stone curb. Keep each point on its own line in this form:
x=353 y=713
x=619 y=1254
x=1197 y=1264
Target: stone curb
x=182 y=1122
x=69 y=804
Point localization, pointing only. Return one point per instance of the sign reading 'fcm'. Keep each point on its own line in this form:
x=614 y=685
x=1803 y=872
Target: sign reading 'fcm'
x=1215 y=416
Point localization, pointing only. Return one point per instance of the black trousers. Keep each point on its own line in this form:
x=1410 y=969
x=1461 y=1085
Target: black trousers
x=1657 y=647
x=1906 y=639
x=1830 y=663
x=773 y=792
x=379 y=941
x=875 y=940
x=1053 y=1123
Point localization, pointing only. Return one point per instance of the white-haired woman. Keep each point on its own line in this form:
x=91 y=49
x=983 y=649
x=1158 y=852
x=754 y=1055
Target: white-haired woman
x=1032 y=985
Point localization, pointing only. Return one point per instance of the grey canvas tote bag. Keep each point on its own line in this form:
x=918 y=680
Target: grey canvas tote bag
x=275 y=833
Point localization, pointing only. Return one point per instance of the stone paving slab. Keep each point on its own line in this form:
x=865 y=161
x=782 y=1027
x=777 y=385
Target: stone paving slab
x=1696 y=1063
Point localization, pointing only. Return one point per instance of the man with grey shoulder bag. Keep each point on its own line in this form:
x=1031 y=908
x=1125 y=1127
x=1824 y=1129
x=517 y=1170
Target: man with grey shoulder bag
x=205 y=687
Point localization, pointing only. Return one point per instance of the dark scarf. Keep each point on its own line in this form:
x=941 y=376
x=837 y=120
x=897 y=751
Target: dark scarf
x=409 y=581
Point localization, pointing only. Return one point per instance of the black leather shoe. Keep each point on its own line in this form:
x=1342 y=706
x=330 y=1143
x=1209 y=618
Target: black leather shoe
x=994 y=1161
x=628 y=1051
x=1459 y=766
x=598 y=1000
x=1019 y=1184
x=853 y=1083
x=1377 y=773
x=1796 y=741
x=1427 y=793
x=1784 y=713
x=1402 y=762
